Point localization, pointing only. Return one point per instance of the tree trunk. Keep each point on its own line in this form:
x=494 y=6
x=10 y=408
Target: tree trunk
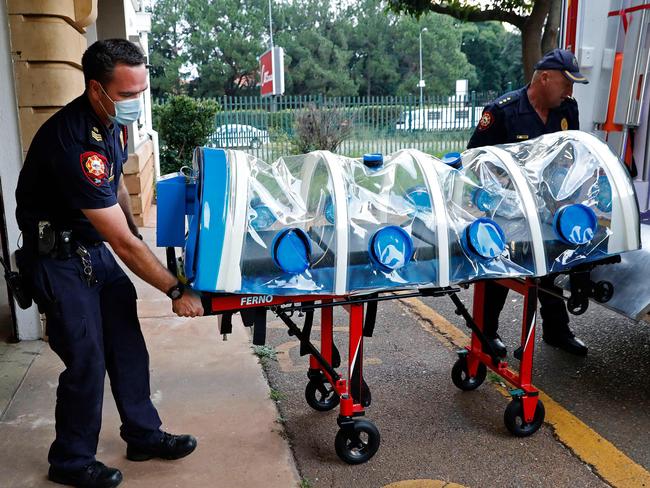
x=552 y=28
x=531 y=37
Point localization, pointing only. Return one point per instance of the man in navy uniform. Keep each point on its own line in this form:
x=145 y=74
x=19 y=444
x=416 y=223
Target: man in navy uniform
x=71 y=198
x=543 y=106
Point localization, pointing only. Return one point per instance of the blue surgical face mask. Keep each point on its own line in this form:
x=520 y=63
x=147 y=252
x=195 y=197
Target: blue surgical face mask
x=126 y=111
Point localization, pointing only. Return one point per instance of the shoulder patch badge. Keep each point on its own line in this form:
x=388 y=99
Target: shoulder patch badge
x=486 y=120
x=564 y=123
x=94 y=167
x=96 y=135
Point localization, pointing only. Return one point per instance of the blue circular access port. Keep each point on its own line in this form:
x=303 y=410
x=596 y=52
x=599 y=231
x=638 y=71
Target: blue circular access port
x=391 y=248
x=373 y=160
x=330 y=214
x=484 y=239
x=453 y=159
x=291 y=250
x=604 y=199
x=263 y=218
x=575 y=224
x=483 y=200
x=419 y=197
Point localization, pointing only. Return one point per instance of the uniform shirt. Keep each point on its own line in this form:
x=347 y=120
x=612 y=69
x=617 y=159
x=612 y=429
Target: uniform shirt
x=73 y=163
x=511 y=118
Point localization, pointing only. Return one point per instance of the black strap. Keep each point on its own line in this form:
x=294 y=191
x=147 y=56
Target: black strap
x=226 y=323
x=306 y=330
x=371 y=317
x=259 y=328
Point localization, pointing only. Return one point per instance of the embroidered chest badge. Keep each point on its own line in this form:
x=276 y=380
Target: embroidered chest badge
x=486 y=121
x=94 y=167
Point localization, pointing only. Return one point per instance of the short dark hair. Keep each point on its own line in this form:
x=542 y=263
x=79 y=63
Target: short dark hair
x=101 y=57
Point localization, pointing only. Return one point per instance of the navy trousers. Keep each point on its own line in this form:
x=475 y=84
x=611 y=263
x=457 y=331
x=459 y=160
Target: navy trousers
x=94 y=330
x=555 y=318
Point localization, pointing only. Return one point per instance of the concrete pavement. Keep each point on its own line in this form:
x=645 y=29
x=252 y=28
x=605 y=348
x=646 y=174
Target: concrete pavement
x=201 y=385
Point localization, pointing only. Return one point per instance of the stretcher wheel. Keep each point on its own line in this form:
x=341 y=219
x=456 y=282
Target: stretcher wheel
x=513 y=417
x=603 y=291
x=577 y=305
x=321 y=396
x=357 y=444
x=461 y=378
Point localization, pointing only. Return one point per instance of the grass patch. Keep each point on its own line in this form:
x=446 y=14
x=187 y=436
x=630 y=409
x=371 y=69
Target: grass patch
x=265 y=352
x=492 y=377
x=305 y=483
x=276 y=395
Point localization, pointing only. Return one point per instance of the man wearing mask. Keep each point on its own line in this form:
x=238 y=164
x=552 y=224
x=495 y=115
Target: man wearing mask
x=71 y=199
x=542 y=107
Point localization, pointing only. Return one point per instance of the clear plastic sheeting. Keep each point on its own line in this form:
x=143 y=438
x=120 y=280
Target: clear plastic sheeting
x=286 y=202
x=489 y=234
x=324 y=224
x=577 y=185
x=387 y=201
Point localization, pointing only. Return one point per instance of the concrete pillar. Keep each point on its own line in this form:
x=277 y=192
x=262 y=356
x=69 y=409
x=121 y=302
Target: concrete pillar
x=26 y=321
x=42 y=49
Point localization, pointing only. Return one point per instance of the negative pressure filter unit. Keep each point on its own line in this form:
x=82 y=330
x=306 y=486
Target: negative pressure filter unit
x=320 y=223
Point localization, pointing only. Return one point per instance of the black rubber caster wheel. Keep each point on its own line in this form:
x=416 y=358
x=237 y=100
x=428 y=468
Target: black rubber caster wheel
x=358 y=444
x=577 y=305
x=513 y=417
x=603 y=291
x=461 y=378
x=321 y=396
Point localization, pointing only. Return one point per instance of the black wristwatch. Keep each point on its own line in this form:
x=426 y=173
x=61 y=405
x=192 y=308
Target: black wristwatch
x=176 y=291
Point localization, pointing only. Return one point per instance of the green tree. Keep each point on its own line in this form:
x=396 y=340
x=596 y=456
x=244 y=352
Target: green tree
x=224 y=40
x=166 y=47
x=442 y=60
x=374 y=62
x=317 y=54
x=494 y=52
x=183 y=124
x=538 y=20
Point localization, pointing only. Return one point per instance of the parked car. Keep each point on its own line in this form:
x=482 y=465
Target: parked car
x=239 y=135
x=439 y=118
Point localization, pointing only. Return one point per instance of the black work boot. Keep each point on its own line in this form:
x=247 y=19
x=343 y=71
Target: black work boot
x=168 y=447
x=566 y=341
x=95 y=475
x=497 y=345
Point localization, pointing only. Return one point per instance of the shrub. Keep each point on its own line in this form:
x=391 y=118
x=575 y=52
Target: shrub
x=320 y=129
x=183 y=123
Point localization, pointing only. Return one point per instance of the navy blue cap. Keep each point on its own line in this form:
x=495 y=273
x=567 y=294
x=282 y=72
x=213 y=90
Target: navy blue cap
x=565 y=61
x=373 y=160
x=453 y=159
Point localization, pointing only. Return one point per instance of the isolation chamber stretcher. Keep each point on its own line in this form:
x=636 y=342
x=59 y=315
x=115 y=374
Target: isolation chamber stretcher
x=313 y=231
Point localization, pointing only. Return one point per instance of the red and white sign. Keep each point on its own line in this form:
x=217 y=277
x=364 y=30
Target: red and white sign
x=272 y=72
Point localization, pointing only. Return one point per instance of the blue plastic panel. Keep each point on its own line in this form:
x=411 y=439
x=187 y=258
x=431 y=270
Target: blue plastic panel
x=170 y=219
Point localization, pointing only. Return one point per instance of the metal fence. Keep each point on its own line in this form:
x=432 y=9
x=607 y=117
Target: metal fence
x=266 y=127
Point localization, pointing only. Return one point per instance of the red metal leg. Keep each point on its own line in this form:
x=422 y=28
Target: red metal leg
x=326 y=336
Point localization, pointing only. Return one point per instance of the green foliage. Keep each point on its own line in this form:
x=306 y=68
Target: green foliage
x=223 y=43
x=348 y=49
x=183 y=123
x=277 y=395
x=166 y=47
x=321 y=128
x=265 y=352
x=495 y=53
